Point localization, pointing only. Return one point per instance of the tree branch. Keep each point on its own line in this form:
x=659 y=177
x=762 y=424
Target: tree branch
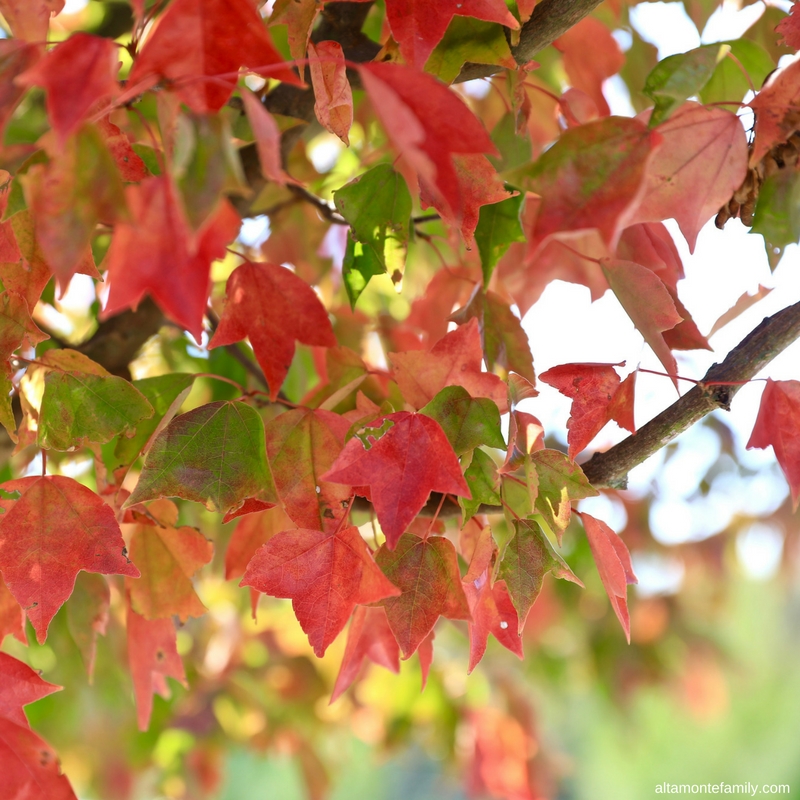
x=753 y=353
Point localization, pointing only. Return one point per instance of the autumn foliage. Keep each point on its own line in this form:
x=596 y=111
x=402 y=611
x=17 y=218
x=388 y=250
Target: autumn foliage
x=382 y=468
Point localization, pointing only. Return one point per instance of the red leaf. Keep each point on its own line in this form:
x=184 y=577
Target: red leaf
x=789 y=28
x=425 y=655
x=250 y=533
x=614 y=565
x=325 y=575
x=130 y=165
x=402 y=467
x=12 y=617
x=30 y=766
x=369 y=636
x=16 y=325
x=778 y=424
x=701 y=162
x=77 y=75
x=55 y=529
x=426 y=572
x=591 y=54
x=427 y=123
x=156 y=254
x=197 y=43
x=478 y=185
x=334 y=99
x=268 y=139
x=274 y=307
x=20 y=685
x=302 y=444
x=455 y=360
x=153 y=657
x=15 y=57
x=30 y=19
x=168 y=557
x=648 y=303
x=775 y=107
x=596 y=399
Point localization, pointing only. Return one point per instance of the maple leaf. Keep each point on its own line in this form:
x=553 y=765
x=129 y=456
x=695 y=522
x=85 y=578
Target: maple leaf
x=369 y=636
x=55 y=529
x=273 y=307
x=156 y=254
x=334 y=98
x=130 y=165
x=83 y=403
x=214 y=454
x=702 y=160
x=77 y=75
x=777 y=424
x=153 y=657
x=197 y=43
x=527 y=557
x=481 y=477
x=591 y=54
x=12 y=617
x=775 y=107
x=268 y=139
x=87 y=615
x=789 y=28
x=16 y=57
x=30 y=19
x=302 y=444
x=250 y=533
x=16 y=325
x=298 y=16
x=614 y=565
x=428 y=124
x=167 y=558
x=598 y=396
x=20 y=685
x=455 y=360
x=426 y=572
x=325 y=574
x=401 y=465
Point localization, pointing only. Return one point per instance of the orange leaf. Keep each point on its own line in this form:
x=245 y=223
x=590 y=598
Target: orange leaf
x=334 y=99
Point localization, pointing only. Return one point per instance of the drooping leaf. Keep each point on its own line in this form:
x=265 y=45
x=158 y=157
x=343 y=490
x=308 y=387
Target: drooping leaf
x=84 y=403
x=377 y=205
x=167 y=557
x=527 y=557
x=481 y=477
x=591 y=55
x=273 y=307
x=325 y=575
x=20 y=685
x=498 y=227
x=435 y=125
x=677 y=78
x=334 y=99
x=777 y=213
x=402 y=457
x=467 y=422
x=268 y=139
x=55 y=529
x=153 y=657
x=77 y=75
x=360 y=265
x=593 y=389
x=87 y=615
x=369 y=636
x=298 y=16
x=426 y=572
x=647 y=302
x=214 y=454
x=778 y=424
x=701 y=162
x=614 y=565
x=166 y=394
x=455 y=360
x=302 y=444
x=196 y=46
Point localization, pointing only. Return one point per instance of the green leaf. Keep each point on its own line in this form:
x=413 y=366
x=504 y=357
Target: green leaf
x=481 y=477
x=514 y=150
x=728 y=83
x=378 y=207
x=560 y=482
x=469 y=39
x=6 y=412
x=679 y=77
x=528 y=556
x=498 y=227
x=214 y=454
x=777 y=213
x=468 y=422
x=359 y=266
x=165 y=393
x=83 y=403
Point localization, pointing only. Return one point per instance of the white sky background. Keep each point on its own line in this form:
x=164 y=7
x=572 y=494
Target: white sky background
x=564 y=326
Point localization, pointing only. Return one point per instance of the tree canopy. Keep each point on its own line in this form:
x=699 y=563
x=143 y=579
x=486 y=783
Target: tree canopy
x=264 y=273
